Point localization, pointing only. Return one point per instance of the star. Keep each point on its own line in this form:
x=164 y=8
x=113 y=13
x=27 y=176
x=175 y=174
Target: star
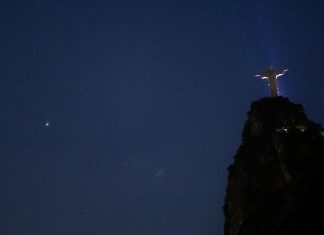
x=47 y=124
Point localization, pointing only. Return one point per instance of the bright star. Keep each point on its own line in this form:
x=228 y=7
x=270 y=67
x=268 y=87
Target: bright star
x=47 y=124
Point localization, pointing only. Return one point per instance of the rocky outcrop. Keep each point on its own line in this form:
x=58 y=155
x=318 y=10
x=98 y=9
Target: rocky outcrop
x=275 y=185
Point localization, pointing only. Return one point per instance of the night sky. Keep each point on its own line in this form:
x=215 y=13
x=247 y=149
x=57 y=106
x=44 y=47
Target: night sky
x=121 y=117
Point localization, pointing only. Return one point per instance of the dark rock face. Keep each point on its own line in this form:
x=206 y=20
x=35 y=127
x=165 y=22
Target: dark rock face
x=276 y=184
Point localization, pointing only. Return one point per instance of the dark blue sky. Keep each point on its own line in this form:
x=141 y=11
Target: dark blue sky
x=121 y=117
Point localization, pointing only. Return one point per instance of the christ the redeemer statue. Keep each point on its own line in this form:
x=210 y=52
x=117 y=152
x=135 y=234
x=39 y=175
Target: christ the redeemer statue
x=272 y=75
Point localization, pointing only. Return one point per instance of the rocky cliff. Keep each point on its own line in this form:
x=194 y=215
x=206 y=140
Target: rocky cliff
x=276 y=183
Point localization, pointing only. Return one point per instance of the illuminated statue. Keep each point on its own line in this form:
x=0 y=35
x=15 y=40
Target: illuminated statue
x=272 y=75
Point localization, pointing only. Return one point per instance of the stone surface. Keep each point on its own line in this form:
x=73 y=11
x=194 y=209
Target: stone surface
x=275 y=185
